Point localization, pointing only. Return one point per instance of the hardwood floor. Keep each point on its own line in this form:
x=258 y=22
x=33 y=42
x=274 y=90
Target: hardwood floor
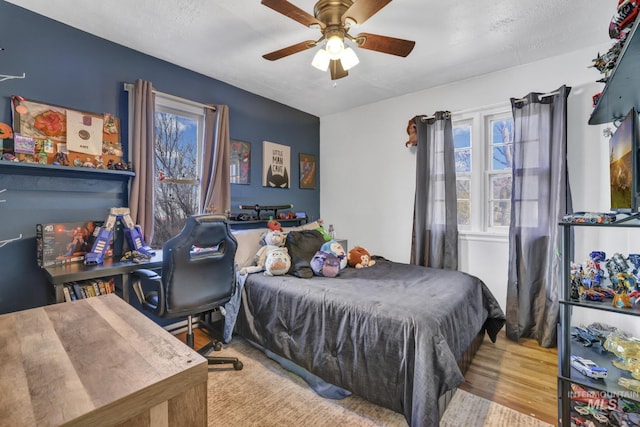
x=521 y=376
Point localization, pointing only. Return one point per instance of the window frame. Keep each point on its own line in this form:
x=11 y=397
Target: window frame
x=481 y=167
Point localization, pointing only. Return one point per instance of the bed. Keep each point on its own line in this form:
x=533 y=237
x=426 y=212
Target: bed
x=395 y=334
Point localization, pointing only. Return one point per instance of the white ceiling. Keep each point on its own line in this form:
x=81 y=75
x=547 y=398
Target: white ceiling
x=225 y=39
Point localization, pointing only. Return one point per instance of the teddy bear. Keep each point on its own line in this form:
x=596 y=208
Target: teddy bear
x=278 y=262
x=325 y=264
x=272 y=257
x=336 y=249
x=359 y=257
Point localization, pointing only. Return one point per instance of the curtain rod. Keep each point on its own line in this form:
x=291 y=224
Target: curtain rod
x=130 y=86
x=423 y=118
x=544 y=95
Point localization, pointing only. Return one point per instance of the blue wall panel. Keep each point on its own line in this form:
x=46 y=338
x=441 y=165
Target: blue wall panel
x=68 y=67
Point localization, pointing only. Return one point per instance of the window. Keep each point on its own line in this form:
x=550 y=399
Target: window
x=179 y=135
x=483 y=148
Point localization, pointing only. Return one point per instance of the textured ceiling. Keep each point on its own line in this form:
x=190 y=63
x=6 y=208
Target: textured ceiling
x=225 y=39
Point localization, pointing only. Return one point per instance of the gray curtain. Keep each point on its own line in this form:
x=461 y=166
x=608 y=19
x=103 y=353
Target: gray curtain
x=540 y=197
x=435 y=222
x=215 y=185
x=142 y=158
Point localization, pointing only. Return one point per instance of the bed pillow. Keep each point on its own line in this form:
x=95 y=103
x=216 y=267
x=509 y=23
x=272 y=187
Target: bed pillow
x=302 y=246
x=249 y=243
x=309 y=226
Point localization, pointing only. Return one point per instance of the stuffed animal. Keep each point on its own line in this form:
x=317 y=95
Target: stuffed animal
x=274 y=238
x=325 y=264
x=277 y=263
x=321 y=230
x=336 y=249
x=359 y=257
x=274 y=225
x=272 y=241
x=412 y=132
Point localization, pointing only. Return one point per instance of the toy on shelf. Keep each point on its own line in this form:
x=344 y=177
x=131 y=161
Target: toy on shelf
x=590 y=218
x=623 y=19
x=132 y=234
x=588 y=368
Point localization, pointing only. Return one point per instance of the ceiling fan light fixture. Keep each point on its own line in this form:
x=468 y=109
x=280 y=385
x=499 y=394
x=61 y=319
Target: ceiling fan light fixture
x=321 y=60
x=349 y=59
x=335 y=47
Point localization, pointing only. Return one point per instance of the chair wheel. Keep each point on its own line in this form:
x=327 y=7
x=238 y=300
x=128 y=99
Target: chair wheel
x=217 y=346
x=237 y=365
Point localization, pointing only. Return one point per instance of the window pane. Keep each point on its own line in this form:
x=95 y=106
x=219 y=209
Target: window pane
x=501 y=187
x=462 y=136
x=502 y=131
x=464 y=212
x=176 y=186
x=464 y=204
x=502 y=157
x=500 y=204
x=463 y=160
x=501 y=144
x=501 y=213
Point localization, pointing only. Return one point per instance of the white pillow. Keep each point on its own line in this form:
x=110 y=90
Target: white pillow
x=248 y=245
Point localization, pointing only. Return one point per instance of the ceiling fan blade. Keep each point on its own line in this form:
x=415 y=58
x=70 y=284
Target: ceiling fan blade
x=337 y=72
x=362 y=10
x=293 y=12
x=290 y=50
x=384 y=44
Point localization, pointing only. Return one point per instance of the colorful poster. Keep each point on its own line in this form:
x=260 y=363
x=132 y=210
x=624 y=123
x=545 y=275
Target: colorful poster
x=276 y=163
x=307 y=171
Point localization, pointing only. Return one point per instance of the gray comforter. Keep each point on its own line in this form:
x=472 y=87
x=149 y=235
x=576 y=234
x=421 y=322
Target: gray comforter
x=390 y=333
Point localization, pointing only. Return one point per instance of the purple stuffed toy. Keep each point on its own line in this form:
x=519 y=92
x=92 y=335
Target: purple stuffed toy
x=325 y=264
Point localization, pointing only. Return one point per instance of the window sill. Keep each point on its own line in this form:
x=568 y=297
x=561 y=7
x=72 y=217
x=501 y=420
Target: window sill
x=478 y=236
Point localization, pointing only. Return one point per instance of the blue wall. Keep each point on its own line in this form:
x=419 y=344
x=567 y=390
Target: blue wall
x=68 y=67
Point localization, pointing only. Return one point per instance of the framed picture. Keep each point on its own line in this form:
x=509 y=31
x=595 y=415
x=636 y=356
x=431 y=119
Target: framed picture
x=240 y=162
x=307 y=171
x=276 y=164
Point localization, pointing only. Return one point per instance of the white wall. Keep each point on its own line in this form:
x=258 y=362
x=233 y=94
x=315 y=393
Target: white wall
x=367 y=184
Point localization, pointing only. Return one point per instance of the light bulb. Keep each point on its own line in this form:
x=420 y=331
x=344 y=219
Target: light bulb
x=321 y=60
x=335 y=46
x=349 y=59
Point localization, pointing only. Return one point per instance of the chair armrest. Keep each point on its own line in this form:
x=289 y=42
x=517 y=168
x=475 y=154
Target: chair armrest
x=147 y=285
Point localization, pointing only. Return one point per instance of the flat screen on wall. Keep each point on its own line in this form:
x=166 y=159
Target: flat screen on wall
x=623 y=165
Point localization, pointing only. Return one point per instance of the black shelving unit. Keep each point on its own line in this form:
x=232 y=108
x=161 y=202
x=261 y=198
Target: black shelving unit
x=567 y=346
x=621 y=92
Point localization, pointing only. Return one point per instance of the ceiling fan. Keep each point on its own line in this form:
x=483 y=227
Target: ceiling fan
x=334 y=18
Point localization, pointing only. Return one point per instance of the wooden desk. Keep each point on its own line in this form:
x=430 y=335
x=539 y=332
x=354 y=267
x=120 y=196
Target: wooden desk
x=97 y=362
x=58 y=275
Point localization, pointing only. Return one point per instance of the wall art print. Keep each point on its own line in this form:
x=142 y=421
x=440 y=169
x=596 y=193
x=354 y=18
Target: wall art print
x=307 y=171
x=276 y=164
x=240 y=162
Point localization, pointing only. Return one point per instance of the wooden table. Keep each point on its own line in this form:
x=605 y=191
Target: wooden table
x=97 y=362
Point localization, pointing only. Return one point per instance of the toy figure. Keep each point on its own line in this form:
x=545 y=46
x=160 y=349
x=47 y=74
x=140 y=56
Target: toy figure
x=272 y=257
x=412 y=131
x=359 y=257
x=61 y=159
x=274 y=225
x=325 y=264
x=336 y=249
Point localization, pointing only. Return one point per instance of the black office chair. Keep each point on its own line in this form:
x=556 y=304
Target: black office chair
x=198 y=275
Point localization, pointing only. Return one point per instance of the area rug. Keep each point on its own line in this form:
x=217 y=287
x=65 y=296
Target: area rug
x=265 y=394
